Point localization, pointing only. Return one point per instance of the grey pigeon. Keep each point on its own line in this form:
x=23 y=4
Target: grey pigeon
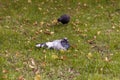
x=61 y=44
x=64 y=19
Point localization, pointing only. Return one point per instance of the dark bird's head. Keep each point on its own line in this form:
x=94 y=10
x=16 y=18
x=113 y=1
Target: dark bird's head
x=64 y=19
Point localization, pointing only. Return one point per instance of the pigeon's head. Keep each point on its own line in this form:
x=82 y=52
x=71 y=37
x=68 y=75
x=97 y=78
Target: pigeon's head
x=65 y=43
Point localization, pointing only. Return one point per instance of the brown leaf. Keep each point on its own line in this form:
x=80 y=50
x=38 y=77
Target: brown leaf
x=17 y=53
x=92 y=41
x=74 y=46
x=47 y=32
x=21 y=78
x=84 y=35
x=63 y=57
x=54 y=21
x=17 y=69
x=75 y=55
x=43 y=64
x=4 y=71
x=48 y=24
x=1 y=18
x=35 y=23
x=4 y=77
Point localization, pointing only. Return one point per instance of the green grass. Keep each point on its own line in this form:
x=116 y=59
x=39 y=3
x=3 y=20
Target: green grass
x=93 y=32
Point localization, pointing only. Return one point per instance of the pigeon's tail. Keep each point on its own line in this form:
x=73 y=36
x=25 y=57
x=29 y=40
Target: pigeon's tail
x=41 y=45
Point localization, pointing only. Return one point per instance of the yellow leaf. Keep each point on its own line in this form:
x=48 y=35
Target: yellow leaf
x=62 y=51
x=51 y=33
x=98 y=33
x=54 y=56
x=29 y=1
x=107 y=59
x=40 y=8
x=41 y=23
x=37 y=77
x=89 y=55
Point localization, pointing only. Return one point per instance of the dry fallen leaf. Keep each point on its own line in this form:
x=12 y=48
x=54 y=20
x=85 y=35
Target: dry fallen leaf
x=98 y=33
x=48 y=24
x=52 y=33
x=35 y=23
x=40 y=8
x=84 y=35
x=17 y=53
x=92 y=41
x=4 y=71
x=75 y=55
x=31 y=66
x=89 y=55
x=101 y=69
x=113 y=27
x=62 y=51
x=106 y=59
x=21 y=78
x=41 y=23
x=54 y=21
x=54 y=56
x=29 y=1
x=32 y=61
x=74 y=46
x=37 y=77
x=95 y=37
x=117 y=30
x=4 y=77
x=17 y=69
x=43 y=64
x=63 y=57
x=48 y=32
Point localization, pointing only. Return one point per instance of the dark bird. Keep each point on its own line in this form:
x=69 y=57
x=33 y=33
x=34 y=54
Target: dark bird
x=64 y=19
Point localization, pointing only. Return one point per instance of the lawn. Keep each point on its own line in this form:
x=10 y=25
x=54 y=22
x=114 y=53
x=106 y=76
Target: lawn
x=93 y=32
